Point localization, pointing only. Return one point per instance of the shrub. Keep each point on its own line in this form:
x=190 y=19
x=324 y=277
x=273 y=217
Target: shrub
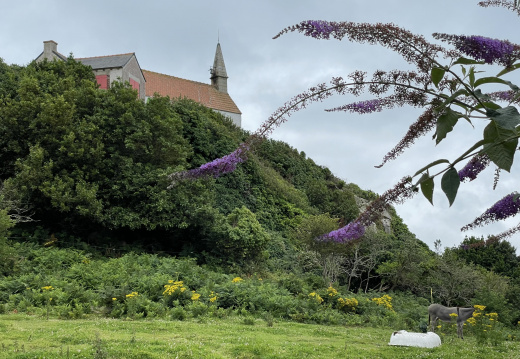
x=178 y=313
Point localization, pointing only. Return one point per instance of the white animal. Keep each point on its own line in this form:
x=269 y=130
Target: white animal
x=423 y=340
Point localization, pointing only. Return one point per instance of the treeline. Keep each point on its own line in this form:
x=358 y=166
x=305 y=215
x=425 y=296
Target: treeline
x=88 y=169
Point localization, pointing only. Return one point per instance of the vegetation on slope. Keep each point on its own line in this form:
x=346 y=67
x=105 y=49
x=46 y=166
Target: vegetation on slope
x=84 y=175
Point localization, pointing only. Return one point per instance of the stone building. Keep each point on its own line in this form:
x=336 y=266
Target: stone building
x=125 y=67
x=112 y=68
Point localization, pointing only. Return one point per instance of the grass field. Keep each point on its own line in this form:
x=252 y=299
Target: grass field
x=23 y=336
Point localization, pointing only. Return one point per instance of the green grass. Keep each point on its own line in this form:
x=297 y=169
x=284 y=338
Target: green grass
x=23 y=336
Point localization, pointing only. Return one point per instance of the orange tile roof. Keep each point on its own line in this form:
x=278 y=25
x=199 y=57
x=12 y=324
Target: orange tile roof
x=175 y=87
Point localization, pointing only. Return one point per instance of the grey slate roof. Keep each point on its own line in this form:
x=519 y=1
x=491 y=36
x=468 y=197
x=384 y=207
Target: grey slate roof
x=57 y=54
x=107 y=62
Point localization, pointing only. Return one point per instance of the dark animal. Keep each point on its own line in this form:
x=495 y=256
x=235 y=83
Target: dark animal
x=437 y=311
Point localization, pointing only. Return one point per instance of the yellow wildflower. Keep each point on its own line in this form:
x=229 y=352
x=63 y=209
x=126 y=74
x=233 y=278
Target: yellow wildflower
x=237 y=279
x=385 y=301
x=212 y=297
x=173 y=287
x=332 y=291
x=349 y=303
x=316 y=296
x=480 y=307
x=131 y=295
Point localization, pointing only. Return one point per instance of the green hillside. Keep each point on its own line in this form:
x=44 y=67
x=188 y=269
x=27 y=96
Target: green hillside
x=92 y=165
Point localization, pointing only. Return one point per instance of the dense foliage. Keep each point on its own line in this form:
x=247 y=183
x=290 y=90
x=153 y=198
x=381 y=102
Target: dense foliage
x=86 y=165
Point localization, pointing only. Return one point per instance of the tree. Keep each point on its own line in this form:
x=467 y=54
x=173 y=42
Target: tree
x=241 y=239
x=88 y=160
x=497 y=256
x=408 y=267
x=332 y=257
x=452 y=281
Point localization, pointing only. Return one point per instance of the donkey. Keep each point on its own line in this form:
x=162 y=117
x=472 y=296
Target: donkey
x=437 y=311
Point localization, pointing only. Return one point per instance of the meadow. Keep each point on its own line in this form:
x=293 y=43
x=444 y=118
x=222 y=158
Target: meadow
x=26 y=336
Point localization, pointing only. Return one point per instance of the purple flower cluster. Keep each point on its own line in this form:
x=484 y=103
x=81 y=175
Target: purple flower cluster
x=489 y=50
x=220 y=166
x=508 y=96
x=215 y=168
x=318 y=29
x=483 y=48
x=350 y=232
x=364 y=106
x=506 y=207
x=476 y=165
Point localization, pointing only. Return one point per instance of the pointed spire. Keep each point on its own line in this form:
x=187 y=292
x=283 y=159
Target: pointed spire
x=218 y=71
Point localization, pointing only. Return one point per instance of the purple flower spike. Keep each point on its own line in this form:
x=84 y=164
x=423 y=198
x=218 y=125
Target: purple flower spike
x=350 y=232
x=489 y=50
x=505 y=208
x=503 y=95
x=219 y=166
x=476 y=165
x=215 y=168
x=369 y=106
x=483 y=48
x=318 y=29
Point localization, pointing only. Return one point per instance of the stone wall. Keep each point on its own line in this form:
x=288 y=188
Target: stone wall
x=385 y=219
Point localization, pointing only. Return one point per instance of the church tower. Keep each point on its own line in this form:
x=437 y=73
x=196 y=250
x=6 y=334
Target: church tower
x=218 y=72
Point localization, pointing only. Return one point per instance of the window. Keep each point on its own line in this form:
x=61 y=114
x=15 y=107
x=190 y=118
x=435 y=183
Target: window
x=102 y=80
x=135 y=85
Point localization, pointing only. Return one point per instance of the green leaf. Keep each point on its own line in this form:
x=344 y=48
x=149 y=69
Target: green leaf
x=471 y=149
x=427 y=187
x=509 y=69
x=507 y=118
x=434 y=163
x=472 y=77
x=501 y=145
x=487 y=105
x=466 y=61
x=445 y=123
x=437 y=75
x=490 y=80
x=450 y=183
x=482 y=96
x=451 y=98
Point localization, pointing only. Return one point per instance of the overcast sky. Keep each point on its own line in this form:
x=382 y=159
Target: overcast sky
x=179 y=38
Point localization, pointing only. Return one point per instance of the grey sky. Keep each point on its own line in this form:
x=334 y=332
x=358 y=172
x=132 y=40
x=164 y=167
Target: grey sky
x=179 y=38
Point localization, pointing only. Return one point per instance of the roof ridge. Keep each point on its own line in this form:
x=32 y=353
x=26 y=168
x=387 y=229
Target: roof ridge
x=176 y=77
x=98 y=57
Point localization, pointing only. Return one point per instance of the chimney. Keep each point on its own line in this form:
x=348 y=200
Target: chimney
x=50 y=48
